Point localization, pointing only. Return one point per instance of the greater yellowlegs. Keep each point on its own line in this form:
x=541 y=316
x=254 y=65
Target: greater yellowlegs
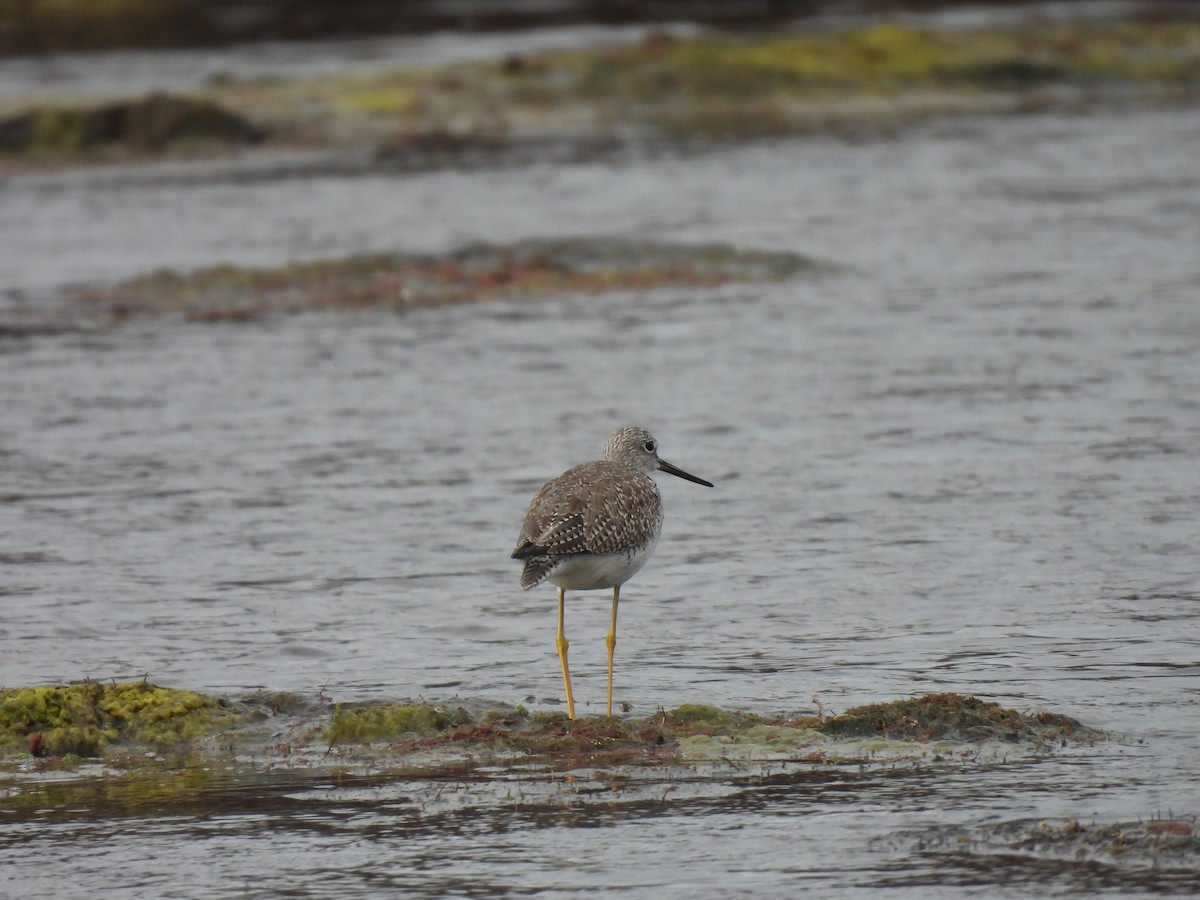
x=594 y=527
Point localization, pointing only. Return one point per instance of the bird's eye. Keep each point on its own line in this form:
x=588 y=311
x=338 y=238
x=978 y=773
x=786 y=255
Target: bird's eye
x=649 y=446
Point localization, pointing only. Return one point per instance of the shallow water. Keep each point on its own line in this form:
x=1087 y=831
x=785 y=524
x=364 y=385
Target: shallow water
x=967 y=459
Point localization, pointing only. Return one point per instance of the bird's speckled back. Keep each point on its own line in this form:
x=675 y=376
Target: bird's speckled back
x=597 y=507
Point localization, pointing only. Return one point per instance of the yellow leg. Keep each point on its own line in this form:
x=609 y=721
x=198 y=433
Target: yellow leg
x=611 y=640
x=562 y=643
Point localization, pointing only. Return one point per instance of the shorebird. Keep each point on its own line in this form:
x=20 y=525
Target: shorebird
x=594 y=527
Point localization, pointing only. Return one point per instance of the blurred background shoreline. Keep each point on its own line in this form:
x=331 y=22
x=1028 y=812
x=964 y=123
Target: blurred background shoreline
x=56 y=26
x=630 y=75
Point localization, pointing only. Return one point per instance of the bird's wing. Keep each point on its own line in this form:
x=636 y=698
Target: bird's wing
x=597 y=507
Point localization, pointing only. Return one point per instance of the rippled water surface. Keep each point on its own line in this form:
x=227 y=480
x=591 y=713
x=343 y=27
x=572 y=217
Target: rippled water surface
x=967 y=457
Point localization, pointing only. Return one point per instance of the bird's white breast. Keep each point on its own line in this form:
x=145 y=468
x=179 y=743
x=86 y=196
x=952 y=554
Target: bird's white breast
x=593 y=571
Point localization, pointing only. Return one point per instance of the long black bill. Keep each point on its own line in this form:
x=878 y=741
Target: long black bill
x=665 y=466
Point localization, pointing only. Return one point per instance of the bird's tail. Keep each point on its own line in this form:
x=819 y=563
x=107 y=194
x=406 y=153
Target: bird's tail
x=537 y=569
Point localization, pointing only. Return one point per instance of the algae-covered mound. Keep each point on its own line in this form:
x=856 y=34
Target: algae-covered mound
x=88 y=717
x=949 y=717
x=695 y=717
x=91 y=718
x=693 y=727
x=934 y=717
x=499 y=733
x=476 y=273
x=148 y=124
x=384 y=721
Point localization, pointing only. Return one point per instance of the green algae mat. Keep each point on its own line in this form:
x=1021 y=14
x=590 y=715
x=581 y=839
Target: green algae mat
x=89 y=718
x=123 y=724
x=714 y=86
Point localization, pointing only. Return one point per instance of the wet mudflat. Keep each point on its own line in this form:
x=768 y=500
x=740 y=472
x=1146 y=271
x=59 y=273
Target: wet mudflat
x=961 y=456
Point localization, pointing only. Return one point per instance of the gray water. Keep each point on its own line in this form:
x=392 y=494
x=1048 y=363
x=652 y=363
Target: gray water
x=966 y=457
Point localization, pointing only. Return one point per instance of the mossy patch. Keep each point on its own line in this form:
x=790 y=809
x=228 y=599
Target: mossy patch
x=90 y=717
x=496 y=734
x=389 y=721
x=934 y=726
x=956 y=717
x=696 y=718
x=474 y=274
x=140 y=126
